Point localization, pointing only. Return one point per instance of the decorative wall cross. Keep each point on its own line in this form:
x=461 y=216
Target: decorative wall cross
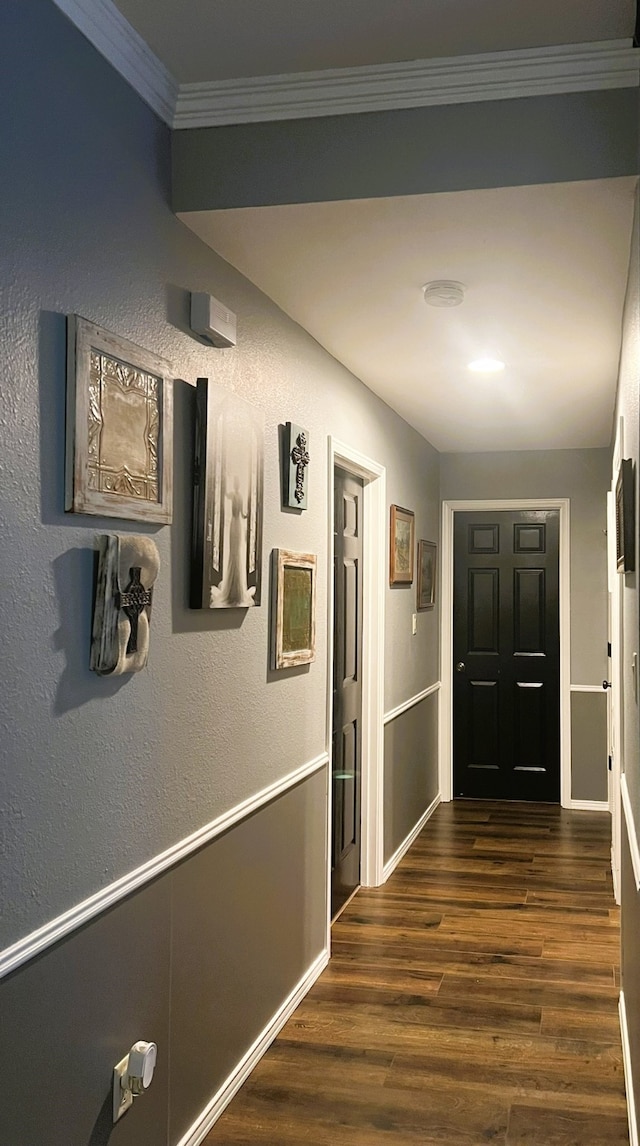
x=295 y=460
x=132 y=601
x=300 y=458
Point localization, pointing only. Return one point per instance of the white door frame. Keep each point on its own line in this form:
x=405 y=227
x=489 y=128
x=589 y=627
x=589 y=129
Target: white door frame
x=373 y=603
x=446 y=644
x=614 y=709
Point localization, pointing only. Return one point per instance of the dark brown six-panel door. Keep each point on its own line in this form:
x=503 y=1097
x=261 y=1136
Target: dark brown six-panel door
x=506 y=655
x=347 y=688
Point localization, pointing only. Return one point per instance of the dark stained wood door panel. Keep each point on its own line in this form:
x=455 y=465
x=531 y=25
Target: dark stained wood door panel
x=506 y=634
x=347 y=688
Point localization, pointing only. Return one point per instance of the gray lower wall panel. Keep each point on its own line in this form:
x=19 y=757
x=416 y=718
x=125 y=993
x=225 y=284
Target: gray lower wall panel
x=198 y=961
x=589 y=746
x=249 y=918
x=410 y=770
x=66 y=1019
x=631 y=959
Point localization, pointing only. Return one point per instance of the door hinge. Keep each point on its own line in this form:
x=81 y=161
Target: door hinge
x=610 y=765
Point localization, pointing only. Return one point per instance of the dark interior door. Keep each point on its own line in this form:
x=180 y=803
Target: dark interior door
x=506 y=650
x=347 y=688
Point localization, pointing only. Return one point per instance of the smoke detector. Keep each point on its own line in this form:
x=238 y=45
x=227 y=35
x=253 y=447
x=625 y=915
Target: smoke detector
x=443 y=292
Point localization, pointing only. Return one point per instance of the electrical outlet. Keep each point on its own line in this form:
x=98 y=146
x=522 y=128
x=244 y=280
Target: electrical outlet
x=414 y=624
x=122 y=1096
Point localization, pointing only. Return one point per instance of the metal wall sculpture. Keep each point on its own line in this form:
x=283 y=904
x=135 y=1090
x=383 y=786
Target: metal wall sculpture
x=128 y=566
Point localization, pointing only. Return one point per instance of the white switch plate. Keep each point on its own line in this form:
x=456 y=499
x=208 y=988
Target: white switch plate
x=122 y=1099
x=414 y=624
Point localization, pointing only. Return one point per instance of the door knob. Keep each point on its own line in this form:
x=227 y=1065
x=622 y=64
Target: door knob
x=460 y=667
x=606 y=684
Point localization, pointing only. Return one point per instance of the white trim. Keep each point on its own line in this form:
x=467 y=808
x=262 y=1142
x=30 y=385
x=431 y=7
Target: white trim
x=33 y=944
x=341 y=91
x=230 y=1087
x=400 y=852
x=631 y=829
x=414 y=83
x=615 y=877
x=589 y=805
x=446 y=665
x=373 y=659
x=586 y=688
x=407 y=704
x=634 y=1137
x=113 y=36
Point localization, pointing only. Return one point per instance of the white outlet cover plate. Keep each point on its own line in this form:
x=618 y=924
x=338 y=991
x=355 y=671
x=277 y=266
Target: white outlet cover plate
x=122 y=1099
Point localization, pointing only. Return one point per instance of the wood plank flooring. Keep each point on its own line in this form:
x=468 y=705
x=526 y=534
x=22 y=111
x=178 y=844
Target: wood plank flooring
x=470 y=1000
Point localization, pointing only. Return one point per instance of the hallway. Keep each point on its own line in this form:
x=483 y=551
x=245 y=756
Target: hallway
x=471 y=1000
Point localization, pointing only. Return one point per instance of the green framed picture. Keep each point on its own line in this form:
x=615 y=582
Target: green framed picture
x=293 y=639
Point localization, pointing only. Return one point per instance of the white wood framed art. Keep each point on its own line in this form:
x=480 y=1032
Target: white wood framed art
x=119 y=447
x=293 y=609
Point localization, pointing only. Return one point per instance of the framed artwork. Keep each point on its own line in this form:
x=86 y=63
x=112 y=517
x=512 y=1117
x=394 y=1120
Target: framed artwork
x=427 y=566
x=119 y=442
x=625 y=517
x=226 y=569
x=296 y=463
x=293 y=613
x=401 y=546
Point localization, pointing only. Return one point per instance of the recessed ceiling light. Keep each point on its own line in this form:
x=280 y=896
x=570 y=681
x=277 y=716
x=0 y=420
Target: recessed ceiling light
x=486 y=365
x=443 y=292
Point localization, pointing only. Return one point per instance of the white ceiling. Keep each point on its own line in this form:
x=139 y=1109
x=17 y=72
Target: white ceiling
x=545 y=266
x=545 y=270
x=201 y=40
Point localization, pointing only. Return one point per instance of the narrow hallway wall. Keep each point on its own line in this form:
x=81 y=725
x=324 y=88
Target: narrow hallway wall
x=100 y=777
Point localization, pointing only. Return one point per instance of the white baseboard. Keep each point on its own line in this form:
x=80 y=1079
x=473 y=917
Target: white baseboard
x=634 y=1140
x=58 y=928
x=392 y=863
x=589 y=805
x=230 y=1087
x=614 y=875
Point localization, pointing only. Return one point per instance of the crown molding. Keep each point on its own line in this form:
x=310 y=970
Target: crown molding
x=345 y=91
x=106 y=28
x=418 y=83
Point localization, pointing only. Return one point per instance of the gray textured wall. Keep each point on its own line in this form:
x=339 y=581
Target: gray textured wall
x=627 y=409
x=197 y=961
x=582 y=475
x=630 y=961
x=589 y=779
x=411 y=778
x=547 y=139
x=98 y=776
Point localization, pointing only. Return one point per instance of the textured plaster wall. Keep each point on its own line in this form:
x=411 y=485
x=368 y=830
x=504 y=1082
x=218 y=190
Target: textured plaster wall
x=627 y=410
x=98 y=776
x=582 y=475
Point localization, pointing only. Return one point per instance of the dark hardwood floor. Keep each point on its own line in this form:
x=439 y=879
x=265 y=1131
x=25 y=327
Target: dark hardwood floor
x=471 y=1000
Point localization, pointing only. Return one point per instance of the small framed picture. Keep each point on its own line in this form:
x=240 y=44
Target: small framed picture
x=427 y=568
x=401 y=546
x=119 y=447
x=293 y=616
x=625 y=517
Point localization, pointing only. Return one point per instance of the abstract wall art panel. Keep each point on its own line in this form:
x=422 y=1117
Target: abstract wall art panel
x=226 y=568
